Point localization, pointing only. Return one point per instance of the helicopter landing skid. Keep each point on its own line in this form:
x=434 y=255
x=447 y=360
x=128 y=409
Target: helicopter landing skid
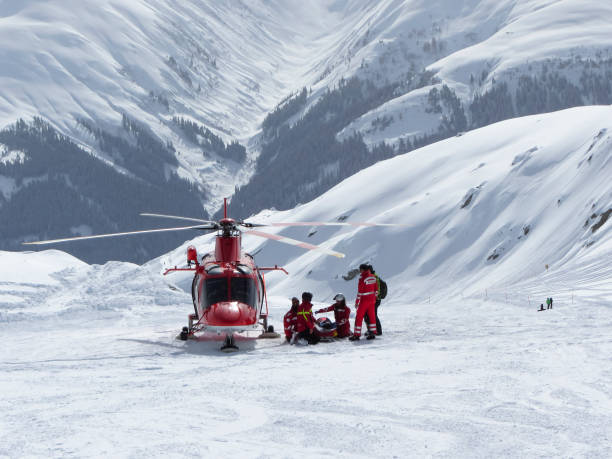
x=228 y=344
x=268 y=330
x=190 y=331
x=184 y=335
x=269 y=334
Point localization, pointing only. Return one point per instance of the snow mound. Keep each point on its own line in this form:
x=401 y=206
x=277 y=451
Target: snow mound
x=37 y=268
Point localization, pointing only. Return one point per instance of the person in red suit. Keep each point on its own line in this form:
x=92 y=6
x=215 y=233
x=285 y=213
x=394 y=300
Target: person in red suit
x=290 y=319
x=365 y=302
x=341 y=315
x=305 y=321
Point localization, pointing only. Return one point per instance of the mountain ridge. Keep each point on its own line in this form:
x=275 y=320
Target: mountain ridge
x=448 y=66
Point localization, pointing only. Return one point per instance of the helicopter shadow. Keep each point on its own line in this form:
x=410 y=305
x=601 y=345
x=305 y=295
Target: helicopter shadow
x=197 y=347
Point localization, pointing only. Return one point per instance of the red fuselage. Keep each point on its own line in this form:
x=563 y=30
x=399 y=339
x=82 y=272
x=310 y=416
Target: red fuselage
x=228 y=289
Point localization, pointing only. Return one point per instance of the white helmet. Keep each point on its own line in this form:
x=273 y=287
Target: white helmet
x=339 y=297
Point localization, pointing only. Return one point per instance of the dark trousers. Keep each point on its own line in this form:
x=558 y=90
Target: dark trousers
x=367 y=320
x=311 y=338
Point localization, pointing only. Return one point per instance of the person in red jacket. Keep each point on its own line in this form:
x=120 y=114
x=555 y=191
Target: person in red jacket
x=305 y=321
x=290 y=319
x=365 y=302
x=341 y=314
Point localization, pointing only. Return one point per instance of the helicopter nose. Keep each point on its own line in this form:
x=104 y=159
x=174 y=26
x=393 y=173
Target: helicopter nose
x=227 y=312
x=230 y=313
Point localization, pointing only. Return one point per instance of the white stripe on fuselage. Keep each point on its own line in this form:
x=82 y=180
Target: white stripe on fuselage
x=234 y=329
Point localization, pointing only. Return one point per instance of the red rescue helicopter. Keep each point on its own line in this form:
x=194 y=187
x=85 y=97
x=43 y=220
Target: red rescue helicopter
x=228 y=289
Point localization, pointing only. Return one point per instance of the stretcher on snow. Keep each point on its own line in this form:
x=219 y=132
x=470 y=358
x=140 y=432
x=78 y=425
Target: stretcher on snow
x=326 y=329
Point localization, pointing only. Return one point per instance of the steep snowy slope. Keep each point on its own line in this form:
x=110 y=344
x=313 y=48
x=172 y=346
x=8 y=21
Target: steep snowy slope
x=224 y=65
x=433 y=69
x=146 y=92
x=220 y=64
x=95 y=70
x=470 y=36
x=467 y=45
x=523 y=199
x=485 y=210
x=466 y=367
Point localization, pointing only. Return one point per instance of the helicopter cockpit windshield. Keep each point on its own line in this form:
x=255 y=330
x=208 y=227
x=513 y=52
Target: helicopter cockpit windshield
x=218 y=289
x=243 y=290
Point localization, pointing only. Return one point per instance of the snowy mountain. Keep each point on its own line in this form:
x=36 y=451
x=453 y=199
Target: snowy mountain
x=493 y=207
x=222 y=65
x=439 y=68
x=176 y=103
x=499 y=219
x=430 y=114
x=484 y=210
x=153 y=95
x=504 y=205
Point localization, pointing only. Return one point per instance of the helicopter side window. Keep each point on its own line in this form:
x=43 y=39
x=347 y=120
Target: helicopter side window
x=244 y=269
x=214 y=269
x=243 y=290
x=215 y=290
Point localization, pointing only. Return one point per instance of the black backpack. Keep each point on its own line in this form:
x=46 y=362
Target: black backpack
x=383 y=288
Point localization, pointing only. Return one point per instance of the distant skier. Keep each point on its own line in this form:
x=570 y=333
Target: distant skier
x=381 y=292
x=365 y=302
x=305 y=322
x=341 y=315
x=290 y=319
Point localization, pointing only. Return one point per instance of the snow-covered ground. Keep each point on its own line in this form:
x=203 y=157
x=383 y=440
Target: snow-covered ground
x=474 y=378
x=499 y=219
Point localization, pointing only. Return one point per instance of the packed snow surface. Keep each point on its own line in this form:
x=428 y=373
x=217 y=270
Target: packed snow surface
x=473 y=378
x=498 y=220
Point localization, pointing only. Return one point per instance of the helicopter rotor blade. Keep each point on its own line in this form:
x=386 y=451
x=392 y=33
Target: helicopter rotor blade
x=288 y=240
x=251 y=225
x=354 y=224
x=97 y=236
x=176 y=217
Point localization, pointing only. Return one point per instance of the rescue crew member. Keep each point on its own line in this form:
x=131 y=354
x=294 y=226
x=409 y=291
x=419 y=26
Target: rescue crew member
x=305 y=326
x=290 y=319
x=379 y=297
x=365 y=302
x=341 y=315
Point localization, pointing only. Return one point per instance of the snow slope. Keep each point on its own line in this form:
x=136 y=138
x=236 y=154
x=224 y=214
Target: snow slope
x=468 y=46
x=100 y=59
x=225 y=64
x=466 y=366
x=222 y=64
x=485 y=210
